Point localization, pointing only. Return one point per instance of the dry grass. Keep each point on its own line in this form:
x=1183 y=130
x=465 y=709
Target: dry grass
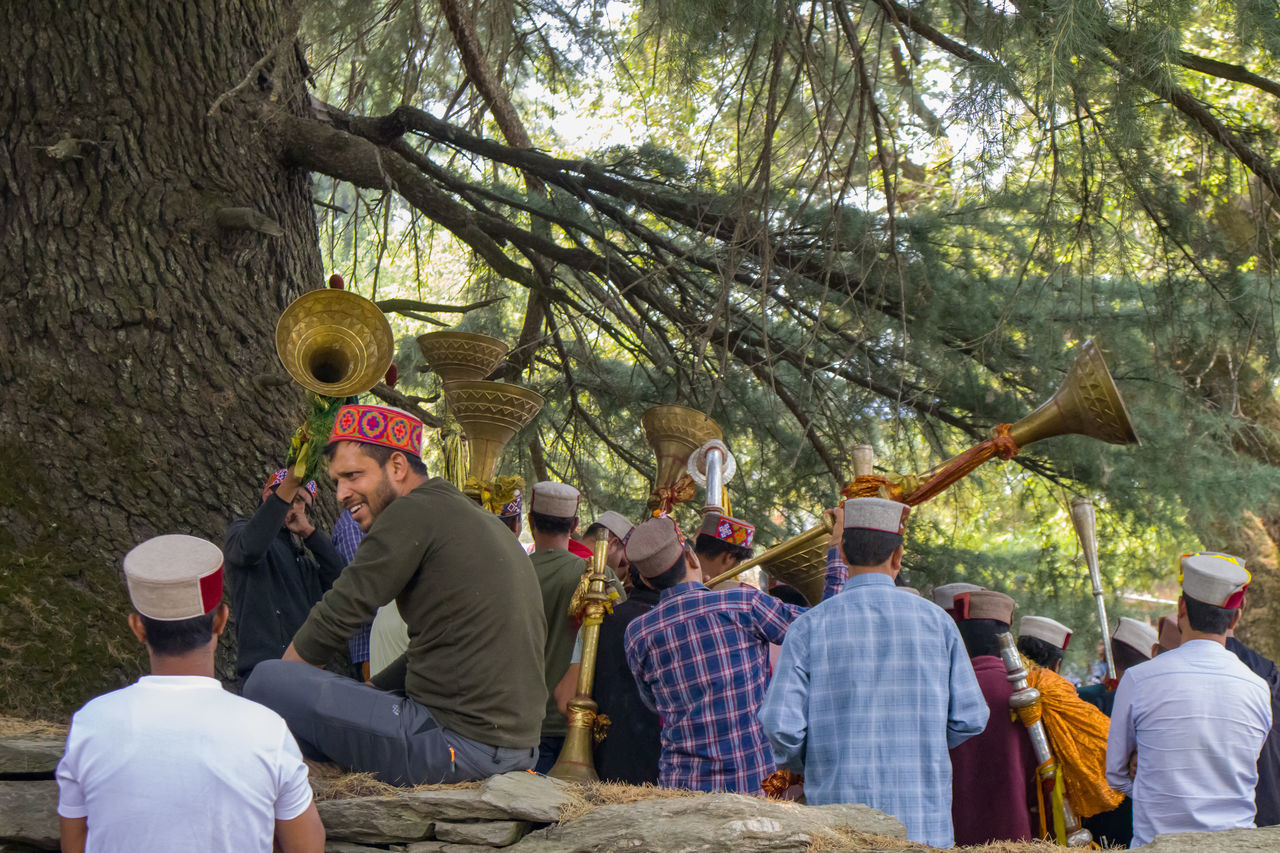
x=587 y=798
x=331 y=783
x=15 y=727
x=847 y=841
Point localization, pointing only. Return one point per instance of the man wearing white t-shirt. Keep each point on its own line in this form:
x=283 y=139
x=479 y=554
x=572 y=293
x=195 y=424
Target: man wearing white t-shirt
x=174 y=762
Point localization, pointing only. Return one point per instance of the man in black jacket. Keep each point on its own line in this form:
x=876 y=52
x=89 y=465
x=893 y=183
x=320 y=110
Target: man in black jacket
x=279 y=564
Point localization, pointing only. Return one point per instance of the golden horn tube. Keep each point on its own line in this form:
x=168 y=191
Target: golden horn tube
x=575 y=762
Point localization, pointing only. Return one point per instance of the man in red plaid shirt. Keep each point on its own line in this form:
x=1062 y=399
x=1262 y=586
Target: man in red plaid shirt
x=701 y=661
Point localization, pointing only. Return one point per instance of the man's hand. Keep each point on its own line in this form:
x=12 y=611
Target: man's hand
x=837 y=526
x=1133 y=766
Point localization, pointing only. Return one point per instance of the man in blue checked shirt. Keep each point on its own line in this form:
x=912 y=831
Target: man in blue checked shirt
x=701 y=660
x=347 y=537
x=874 y=686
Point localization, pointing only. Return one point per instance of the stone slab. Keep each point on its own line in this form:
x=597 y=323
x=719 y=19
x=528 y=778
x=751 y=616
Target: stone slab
x=526 y=796
x=29 y=813
x=445 y=847
x=1228 y=841
x=491 y=833
x=30 y=753
x=408 y=816
x=714 y=823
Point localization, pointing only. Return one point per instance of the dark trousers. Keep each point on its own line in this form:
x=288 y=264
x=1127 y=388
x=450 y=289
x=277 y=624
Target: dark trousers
x=364 y=729
x=548 y=751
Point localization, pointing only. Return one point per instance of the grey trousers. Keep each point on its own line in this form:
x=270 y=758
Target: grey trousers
x=364 y=729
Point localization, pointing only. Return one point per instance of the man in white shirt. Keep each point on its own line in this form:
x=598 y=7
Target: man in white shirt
x=174 y=762
x=1187 y=725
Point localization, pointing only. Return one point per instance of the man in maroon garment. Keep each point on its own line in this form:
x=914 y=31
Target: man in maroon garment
x=992 y=772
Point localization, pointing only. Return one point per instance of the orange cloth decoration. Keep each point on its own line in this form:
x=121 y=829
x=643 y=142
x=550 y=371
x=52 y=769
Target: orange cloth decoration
x=1078 y=733
x=914 y=491
x=776 y=783
x=663 y=498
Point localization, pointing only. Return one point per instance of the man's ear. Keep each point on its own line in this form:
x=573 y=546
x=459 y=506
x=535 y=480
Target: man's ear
x=220 y=619
x=1235 y=619
x=136 y=626
x=895 y=561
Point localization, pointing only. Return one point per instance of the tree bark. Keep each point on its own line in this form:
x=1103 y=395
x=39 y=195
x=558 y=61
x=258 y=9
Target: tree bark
x=137 y=314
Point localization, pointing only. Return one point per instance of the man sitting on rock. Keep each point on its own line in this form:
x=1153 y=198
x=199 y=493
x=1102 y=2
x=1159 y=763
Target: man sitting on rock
x=472 y=679
x=700 y=659
x=175 y=762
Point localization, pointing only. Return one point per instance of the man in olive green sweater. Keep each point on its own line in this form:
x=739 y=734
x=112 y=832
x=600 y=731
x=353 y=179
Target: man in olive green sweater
x=471 y=693
x=553 y=513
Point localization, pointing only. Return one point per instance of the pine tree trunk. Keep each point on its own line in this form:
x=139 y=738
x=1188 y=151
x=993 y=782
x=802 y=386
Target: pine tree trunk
x=137 y=313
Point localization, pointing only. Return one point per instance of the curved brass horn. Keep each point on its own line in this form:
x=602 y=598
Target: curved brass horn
x=674 y=432
x=1087 y=403
x=334 y=342
x=490 y=414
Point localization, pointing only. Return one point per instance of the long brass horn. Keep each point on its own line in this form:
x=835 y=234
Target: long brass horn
x=490 y=414
x=674 y=432
x=334 y=342
x=1087 y=403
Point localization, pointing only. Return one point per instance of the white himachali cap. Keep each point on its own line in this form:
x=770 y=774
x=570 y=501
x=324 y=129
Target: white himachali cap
x=945 y=596
x=615 y=523
x=1213 y=578
x=1043 y=628
x=1135 y=634
x=174 y=577
x=875 y=514
x=555 y=499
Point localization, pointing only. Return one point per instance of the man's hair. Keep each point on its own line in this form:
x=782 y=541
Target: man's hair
x=670 y=577
x=511 y=521
x=980 y=635
x=710 y=547
x=1125 y=655
x=1207 y=618
x=868 y=548
x=171 y=638
x=550 y=525
x=789 y=595
x=1044 y=653
x=381 y=454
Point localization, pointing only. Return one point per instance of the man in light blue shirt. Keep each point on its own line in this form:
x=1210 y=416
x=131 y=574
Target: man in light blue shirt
x=874 y=686
x=1188 y=724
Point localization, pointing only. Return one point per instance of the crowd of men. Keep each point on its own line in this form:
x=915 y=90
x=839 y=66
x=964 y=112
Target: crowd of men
x=875 y=695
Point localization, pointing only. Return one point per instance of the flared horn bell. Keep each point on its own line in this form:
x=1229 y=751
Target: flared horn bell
x=458 y=356
x=490 y=414
x=674 y=432
x=334 y=342
x=1088 y=403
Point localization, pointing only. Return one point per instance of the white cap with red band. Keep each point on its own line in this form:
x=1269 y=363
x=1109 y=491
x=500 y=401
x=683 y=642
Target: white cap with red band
x=1135 y=634
x=174 y=577
x=1043 y=628
x=1213 y=578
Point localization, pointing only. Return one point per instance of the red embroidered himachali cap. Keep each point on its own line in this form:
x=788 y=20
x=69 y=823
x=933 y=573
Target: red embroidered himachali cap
x=174 y=577
x=1043 y=628
x=1217 y=579
x=278 y=477
x=380 y=425
x=735 y=531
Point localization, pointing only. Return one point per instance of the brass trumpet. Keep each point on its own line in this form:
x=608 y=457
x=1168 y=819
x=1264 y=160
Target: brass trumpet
x=334 y=342
x=575 y=762
x=1087 y=403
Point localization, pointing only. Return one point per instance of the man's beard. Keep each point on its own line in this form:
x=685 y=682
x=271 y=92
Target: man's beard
x=379 y=499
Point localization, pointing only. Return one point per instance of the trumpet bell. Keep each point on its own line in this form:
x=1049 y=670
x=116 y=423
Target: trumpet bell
x=334 y=342
x=674 y=432
x=1088 y=403
x=490 y=414
x=458 y=356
